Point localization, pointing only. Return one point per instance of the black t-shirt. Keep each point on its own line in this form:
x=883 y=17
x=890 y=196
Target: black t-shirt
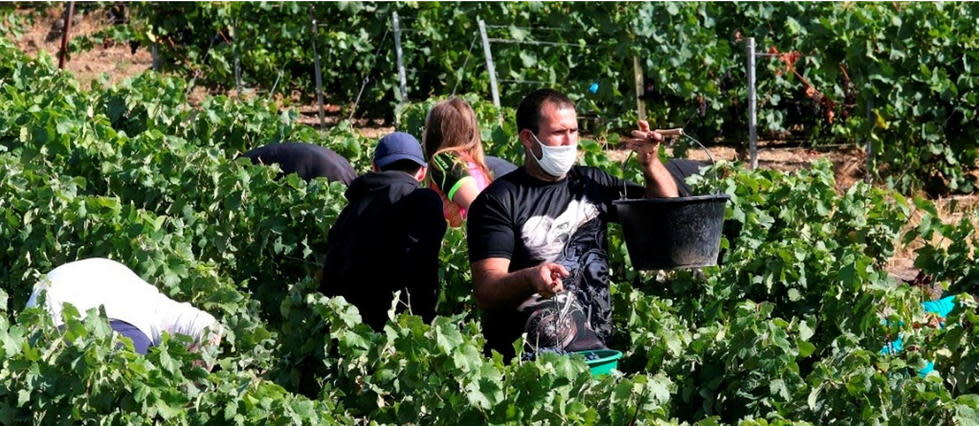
x=530 y=221
x=448 y=171
x=307 y=160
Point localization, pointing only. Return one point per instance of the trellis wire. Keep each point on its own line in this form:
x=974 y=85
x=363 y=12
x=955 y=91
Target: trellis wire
x=464 y=63
x=524 y=81
x=506 y=27
x=533 y=42
x=277 y=78
x=753 y=105
x=367 y=74
x=682 y=133
x=197 y=72
x=488 y=53
x=752 y=75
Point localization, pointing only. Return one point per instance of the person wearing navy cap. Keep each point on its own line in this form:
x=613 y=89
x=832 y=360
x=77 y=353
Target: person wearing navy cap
x=388 y=237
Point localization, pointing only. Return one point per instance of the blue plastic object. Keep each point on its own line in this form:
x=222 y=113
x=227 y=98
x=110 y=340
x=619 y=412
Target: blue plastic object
x=593 y=88
x=928 y=368
x=941 y=307
x=894 y=347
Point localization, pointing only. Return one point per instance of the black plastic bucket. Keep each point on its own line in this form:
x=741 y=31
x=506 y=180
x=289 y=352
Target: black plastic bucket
x=669 y=233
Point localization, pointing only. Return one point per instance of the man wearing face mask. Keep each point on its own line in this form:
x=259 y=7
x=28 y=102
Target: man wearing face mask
x=537 y=236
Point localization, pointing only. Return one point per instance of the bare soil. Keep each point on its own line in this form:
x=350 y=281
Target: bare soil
x=118 y=62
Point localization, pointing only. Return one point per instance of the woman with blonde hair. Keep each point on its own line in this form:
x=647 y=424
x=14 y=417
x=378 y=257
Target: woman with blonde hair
x=454 y=151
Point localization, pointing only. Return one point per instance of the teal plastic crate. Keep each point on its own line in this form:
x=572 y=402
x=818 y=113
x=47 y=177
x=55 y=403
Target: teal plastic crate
x=608 y=360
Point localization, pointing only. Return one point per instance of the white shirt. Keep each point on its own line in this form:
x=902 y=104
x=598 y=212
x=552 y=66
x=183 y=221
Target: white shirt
x=95 y=282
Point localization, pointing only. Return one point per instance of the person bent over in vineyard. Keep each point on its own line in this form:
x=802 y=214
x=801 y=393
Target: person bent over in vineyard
x=537 y=236
x=388 y=237
x=135 y=308
x=306 y=160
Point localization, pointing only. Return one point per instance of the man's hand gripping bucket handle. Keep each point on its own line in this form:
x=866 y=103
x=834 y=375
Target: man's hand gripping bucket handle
x=673 y=134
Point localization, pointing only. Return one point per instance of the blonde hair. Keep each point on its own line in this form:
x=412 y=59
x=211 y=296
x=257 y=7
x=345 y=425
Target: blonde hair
x=451 y=126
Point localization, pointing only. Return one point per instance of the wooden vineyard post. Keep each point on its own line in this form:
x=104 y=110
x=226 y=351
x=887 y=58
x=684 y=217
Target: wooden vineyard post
x=63 y=53
x=234 y=50
x=752 y=118
x=490 y=68
x=402 y=79
x=318 y=72
x=155 y=52
x=640 y=89
x=869 y=177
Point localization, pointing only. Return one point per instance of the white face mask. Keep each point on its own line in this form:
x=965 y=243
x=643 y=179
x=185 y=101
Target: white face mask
x=556 y=160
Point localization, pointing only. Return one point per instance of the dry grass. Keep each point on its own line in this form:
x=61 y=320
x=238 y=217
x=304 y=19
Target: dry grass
x=115 y=60
x=951 y=210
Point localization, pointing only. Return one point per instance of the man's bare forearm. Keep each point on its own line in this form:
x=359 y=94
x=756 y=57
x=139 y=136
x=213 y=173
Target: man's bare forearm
x=659 y=181
x=495 y=290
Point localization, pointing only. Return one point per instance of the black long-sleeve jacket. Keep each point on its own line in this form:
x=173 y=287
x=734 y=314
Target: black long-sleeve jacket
x=386 y=239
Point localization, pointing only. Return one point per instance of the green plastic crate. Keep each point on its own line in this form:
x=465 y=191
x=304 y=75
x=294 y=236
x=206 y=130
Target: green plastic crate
x=608 y=360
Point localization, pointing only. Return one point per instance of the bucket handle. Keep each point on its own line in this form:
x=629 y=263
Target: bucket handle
x=665 y=132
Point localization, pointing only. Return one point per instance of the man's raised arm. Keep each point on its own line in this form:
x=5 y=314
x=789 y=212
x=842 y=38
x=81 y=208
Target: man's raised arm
x=659 y=182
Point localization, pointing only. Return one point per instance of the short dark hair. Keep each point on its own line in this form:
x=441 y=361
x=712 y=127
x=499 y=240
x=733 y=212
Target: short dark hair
x=407 y=166
x=528 y=113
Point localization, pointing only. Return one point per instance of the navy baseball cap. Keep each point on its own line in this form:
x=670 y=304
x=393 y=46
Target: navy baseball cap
x=398 y=146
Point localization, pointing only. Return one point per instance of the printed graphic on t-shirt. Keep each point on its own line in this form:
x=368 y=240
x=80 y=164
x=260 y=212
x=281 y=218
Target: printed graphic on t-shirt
x=559 y=323
x=545 y=237
x=586 y=259
x=575 y=240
